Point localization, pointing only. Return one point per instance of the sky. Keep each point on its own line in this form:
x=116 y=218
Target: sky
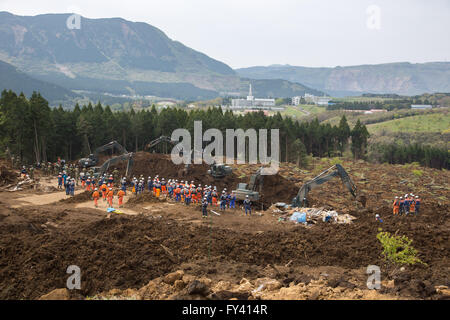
x=312 y=33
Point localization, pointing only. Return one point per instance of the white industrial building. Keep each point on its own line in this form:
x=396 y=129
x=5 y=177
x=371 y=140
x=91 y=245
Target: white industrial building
x=251 y=102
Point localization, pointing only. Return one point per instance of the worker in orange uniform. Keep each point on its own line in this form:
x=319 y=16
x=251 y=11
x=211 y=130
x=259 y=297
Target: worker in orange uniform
x=110 y=197
x=412 y=206
x=96 y=196
x=396 y=206
x=104 y=190
x=120 y=195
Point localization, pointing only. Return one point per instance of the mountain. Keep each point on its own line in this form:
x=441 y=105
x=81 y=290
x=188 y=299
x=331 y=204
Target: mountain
x=118 y=56
x=12 y=79
x=400 y=78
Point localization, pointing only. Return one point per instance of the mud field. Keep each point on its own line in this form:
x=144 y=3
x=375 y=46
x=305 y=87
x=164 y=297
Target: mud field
x=166 y=251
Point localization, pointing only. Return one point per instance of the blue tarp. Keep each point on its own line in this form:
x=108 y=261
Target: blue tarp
x=298 y=217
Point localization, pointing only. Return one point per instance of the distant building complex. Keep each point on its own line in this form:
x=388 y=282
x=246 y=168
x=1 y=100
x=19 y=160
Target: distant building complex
x=252 y=103
x=309 y=98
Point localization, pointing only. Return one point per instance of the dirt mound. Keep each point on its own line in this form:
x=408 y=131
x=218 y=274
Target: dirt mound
x=146 y=197
x=7 y=176
x=277 y=189
x=80 y=197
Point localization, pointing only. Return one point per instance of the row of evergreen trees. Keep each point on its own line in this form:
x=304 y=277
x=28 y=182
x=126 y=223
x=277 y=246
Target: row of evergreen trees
x=427 y=156
x=34 y=132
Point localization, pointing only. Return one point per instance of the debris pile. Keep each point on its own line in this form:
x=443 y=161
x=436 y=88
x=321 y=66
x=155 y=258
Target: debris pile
x=309 y=216
x=27 y=183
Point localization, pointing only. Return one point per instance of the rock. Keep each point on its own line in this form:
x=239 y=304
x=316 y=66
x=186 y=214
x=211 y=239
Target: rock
x=179 y=284
x=206 y=281
x=244 y=286
x=174 y=276
x=314 y=295
x=197 y=287
x=57 y=294
x=115 y=292
x=187 y=278
x=444 y=290
x=222 y=286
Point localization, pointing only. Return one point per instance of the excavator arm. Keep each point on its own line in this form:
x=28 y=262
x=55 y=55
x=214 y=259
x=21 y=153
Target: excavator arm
x=153 y=143
x=111 y=145
x=336 y=170
x=124 y=157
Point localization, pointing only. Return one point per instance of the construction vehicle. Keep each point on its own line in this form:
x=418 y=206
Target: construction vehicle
x=330 y=173
x=92 y=160
x=243 y=190
x=99 y=171
x=219 y=171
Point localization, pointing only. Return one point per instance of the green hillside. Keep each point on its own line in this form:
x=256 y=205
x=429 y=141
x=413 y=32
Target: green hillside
x=439 y=122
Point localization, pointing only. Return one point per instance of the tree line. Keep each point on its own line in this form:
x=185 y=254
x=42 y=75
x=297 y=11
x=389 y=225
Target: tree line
x=34 y=132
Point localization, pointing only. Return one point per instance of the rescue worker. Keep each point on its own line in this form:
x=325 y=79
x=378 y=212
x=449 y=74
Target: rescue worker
x=187 y=196
x=149 y=184
x=120 y=195
x=396 y=206
x=412 y=206
x=204 y=208
x=110 y=181
x=214 y=197
x=378 y=218
x=124 y=185
x=104 y=190
x=67 y=186
x=60 y=181
x=417 y=205
x=96 y=196
x=88 y=184
x=223 y=201
x=23 y=172
x=178 y=194
x=72 y=187
x=110 y=197
x=233 y=201
x=247 y=205
x=402 y=206
x=406 y=204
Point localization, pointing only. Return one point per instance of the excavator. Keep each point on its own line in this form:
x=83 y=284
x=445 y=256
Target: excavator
x=216 y=170
x=219 y=171
x=92 y=160
x=250 y=190
x=98 y=171
x=330 y=173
